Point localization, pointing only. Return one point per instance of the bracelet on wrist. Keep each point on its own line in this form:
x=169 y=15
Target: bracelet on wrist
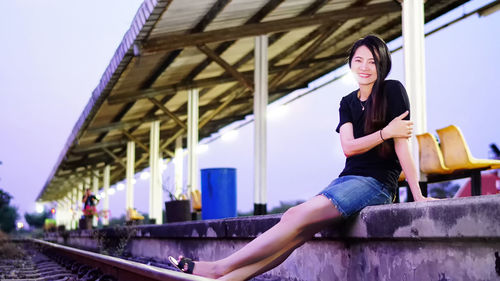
x=381 y=135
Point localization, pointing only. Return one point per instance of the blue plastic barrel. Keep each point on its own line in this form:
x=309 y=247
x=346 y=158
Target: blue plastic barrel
x=218 y=193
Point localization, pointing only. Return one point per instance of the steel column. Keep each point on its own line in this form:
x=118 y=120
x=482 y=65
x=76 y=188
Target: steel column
x=79 y=197
x=68 y=213
x=105 y=182
x=414 y=58
x=260 y=132
x=74 y=206
x=130 y=176
x=86 y=184
x=192 y=141
x=155 y=189
x=178 y=166
x=59 y=212
x=95 y=189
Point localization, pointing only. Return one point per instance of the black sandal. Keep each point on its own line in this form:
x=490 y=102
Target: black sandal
x=185 y=265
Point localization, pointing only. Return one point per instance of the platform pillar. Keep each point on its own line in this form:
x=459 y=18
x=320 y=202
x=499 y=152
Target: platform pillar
x=414 y=60
x=192 y=141
x=155 y=188
x=105 y=203
x=260 y=120
x=129 y=204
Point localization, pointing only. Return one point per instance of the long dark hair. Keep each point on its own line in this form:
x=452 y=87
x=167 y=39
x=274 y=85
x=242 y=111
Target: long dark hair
x=376 y=106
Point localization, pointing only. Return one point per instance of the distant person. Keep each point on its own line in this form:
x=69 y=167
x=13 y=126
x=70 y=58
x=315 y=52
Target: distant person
x=374 y=129
x=89 y=202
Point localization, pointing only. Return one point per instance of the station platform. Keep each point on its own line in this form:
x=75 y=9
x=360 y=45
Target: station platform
x=452 y=239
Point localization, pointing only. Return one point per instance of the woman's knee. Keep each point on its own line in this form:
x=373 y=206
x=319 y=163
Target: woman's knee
x=290 y=215
x=298 y=216
x=317 y=210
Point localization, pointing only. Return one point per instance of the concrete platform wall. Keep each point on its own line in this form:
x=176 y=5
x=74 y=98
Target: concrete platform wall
x=453 y=239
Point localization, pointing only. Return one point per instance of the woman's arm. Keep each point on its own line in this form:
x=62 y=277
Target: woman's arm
x=402 y=147
x=397 y=128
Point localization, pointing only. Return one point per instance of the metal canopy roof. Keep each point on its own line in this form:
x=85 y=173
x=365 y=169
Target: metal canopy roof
x=208 y=44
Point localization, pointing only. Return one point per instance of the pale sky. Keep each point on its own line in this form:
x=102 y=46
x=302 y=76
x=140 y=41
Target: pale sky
x=53 y=54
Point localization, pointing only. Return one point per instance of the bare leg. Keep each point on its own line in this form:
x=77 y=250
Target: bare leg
x=297 y=225
x=252 y=270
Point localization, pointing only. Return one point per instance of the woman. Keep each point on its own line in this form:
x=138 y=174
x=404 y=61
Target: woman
x=374 y=129
x=89 y=202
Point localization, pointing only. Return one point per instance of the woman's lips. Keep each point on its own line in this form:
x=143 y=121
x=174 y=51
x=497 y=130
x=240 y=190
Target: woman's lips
x=363 y=75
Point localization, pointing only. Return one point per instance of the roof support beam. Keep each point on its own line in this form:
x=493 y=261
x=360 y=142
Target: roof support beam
x=170 y=58
x=207 y=119
x=345 y=34
x=227 y=102
x=136 y=140
x=123 y=125
x=95 y=173
x=200 y=26
x=117 y=174
x=99 y=158
x=120 y=143
x=232 y=33
x=211 y=54
x=118 y=117
x=168 y=112
x=311 y=10
x=295 y=46
x=164 y=145
x=327 y=32
x=207 y=82
x=257 y=17
x=118 y=171
x=98 y=146
x=117 y=159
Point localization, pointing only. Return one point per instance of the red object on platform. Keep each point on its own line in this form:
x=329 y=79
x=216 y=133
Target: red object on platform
x=490 y=184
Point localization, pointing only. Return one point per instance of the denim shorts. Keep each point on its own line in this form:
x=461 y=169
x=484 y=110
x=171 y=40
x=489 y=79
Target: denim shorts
x=350 y=194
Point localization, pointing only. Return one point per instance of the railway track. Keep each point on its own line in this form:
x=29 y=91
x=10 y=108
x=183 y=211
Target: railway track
x=48 y=261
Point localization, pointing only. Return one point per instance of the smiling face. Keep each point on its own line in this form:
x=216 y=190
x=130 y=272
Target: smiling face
x=363 y=66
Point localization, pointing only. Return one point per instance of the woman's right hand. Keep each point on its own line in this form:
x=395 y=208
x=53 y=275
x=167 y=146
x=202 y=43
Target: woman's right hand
x=398 y=128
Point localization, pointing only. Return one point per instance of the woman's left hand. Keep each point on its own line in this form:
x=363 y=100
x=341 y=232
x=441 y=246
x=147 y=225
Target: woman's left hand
x=398 y=128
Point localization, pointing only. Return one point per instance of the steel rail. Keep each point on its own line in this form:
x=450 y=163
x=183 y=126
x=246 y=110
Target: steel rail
x=119 y=268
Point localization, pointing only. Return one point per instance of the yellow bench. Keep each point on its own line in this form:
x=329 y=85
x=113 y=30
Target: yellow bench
x=456 y=152
x=133 y=217
x=450 y=160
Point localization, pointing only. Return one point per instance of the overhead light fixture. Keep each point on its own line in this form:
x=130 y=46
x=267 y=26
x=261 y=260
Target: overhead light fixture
x=144 y=175
x=120 y=186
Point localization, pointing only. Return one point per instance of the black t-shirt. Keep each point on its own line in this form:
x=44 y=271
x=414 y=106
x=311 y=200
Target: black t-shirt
x=384 y=168
x=91 y=200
